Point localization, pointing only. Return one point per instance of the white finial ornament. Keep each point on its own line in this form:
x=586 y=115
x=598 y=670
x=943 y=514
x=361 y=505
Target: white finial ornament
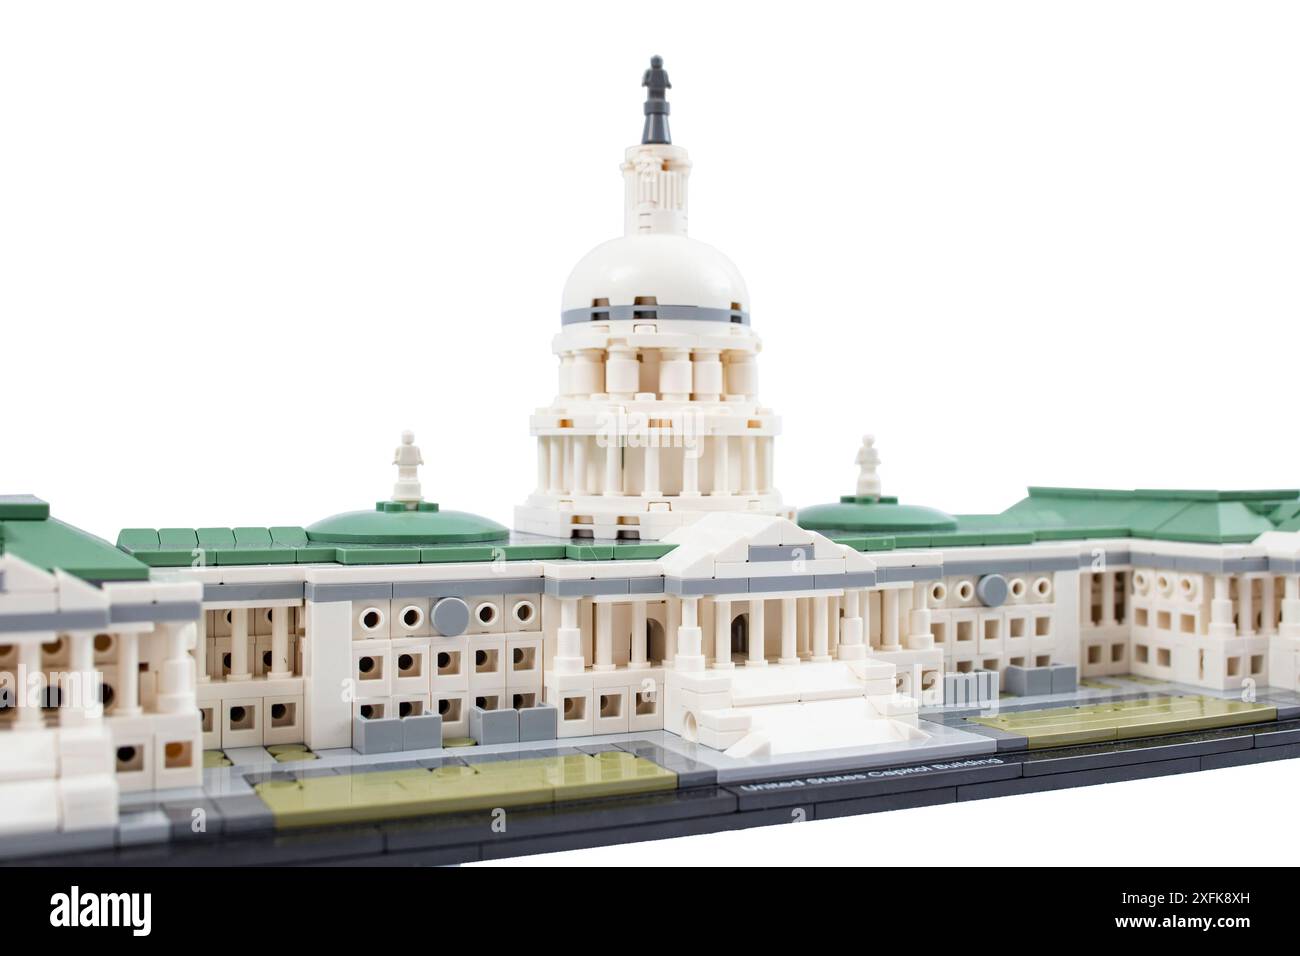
x=408 y=460
x=868 y=459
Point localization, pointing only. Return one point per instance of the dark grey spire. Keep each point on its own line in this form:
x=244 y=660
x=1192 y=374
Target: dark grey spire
x=656 y=103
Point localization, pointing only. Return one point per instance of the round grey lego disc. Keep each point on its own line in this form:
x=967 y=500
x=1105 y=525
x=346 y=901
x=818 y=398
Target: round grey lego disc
x=992 y=590
x=451 y=616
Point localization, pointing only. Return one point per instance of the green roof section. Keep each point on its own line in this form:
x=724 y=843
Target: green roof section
x=853 y=515
x=182 y=547
x=51 y=544
x=392 y=523
x=1210 y=517
x=1078 y=514
x=23 y=508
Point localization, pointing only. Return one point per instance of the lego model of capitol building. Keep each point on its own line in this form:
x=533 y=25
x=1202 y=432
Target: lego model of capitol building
x=655 y=581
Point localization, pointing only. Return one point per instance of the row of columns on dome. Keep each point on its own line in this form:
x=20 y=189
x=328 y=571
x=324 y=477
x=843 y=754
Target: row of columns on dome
x=748 y=630
x=649 y=463
x=625 y=372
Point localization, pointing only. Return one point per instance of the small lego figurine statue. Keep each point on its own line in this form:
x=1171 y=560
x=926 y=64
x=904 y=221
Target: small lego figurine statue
x=408 y=460
x=867 y=460
x=656 y=103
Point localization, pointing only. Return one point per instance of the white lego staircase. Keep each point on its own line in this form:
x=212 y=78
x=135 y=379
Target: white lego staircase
x=790 y=708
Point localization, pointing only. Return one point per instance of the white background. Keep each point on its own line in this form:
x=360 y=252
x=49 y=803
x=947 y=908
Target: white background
x=243 y=245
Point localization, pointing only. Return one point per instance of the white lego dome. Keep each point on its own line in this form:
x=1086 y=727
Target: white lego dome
x=666 y=268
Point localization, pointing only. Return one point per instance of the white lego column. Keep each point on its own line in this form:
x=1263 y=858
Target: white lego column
x=568 y=640
x=239 y=645
x=637 y=651
x=757 y=633
x=821 y=635
x=652 y=477
x=789 y=632
x=543 y=466
x=280 y=644
x=691 y=471
x=1268 y=607
x=604 y=637
x=579 y=443
x=1245 y=607
x=675 y=375
x=83 y=707
x=722 y=634
x=674 y=620
x=622 y=373
x=176 y=682
x=889 y=620
x=555 y=457
x=613 y=468
x=201 y=648
x=1107 y=598
x=851 y=641
x=1290 y=627
x=128 y=675
x=29 y=663
x=919 y=637
x=690 y=638
x=749 y=465
x=1221 y=609
x=721 y=479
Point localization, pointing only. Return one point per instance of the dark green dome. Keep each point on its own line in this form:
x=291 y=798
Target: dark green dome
x=882 y=515
x=395 y=523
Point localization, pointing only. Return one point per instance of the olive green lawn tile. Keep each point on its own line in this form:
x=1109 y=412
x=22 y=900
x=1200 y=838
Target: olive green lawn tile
x=1124 y=720
x=384 y=795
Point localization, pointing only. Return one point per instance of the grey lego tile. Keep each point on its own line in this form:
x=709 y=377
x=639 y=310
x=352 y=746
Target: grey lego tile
x=1082 y=778
x=197 y=819
x=147 y=826
x=1242 y=758
x=692 y=587
x=585 y=588
x=422 y=733
x=379 y=736
x=781 y=582
x=163 y=611
x=53 y=844
x=1133 y=752
x=1027 y=681
x=538 y=723
x=269 y=591
x=55 y=621
x=645 y=585
x=347 y=592
x=494 y=726
x=593 y=749
x=780 y=552
x=1006 y=741
x=910 y=573
x=892 y=801
x=1064 y=678
x=472 y=588
x=244 y=814
x=852 y=785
